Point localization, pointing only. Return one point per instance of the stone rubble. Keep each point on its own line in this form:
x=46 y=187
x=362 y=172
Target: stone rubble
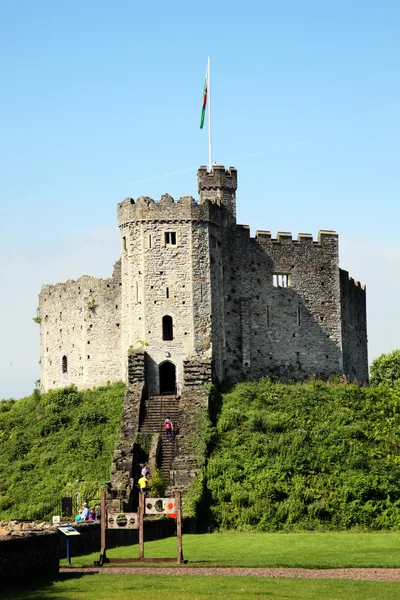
x=17 y=528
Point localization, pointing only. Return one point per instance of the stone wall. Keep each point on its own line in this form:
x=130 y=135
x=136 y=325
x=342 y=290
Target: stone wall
x=194 y=403
x=25 y=558
x=354 y=328
x=283 y=308
x=283 y=300
x=80 y=332
x=22 y=559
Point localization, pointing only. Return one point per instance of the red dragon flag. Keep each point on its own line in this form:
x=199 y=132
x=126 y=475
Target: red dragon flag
x=203 y=110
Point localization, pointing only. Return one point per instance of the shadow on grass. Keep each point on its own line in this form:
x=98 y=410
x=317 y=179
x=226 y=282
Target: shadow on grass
x=39 y=589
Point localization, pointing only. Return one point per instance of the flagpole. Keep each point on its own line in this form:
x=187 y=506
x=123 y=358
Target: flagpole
x=209 y=117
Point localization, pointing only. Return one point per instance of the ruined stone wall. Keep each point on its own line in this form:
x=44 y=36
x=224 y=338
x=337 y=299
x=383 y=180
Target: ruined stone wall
x=354 y=328
x=123 y=458
x=81 y=321
x=165 y=272
x=193 y=407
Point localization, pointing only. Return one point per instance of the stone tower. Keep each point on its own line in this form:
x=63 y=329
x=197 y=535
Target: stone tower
x=167 y=279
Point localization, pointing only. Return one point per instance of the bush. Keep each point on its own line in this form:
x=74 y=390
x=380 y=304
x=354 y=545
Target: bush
x=54 y=444
x=305 y=456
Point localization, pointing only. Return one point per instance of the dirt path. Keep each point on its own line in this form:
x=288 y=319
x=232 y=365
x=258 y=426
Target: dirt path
x=362 y=574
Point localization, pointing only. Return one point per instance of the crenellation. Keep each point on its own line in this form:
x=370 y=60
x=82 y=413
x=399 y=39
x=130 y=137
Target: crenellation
x=218 y=178
x=192 y=285
x=284 y=237
x=185 y=209
x=305 y=238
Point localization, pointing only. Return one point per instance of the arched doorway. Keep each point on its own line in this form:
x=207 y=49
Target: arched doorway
x=167 y=372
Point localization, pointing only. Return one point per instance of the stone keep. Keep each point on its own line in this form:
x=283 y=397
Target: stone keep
x=192 y=285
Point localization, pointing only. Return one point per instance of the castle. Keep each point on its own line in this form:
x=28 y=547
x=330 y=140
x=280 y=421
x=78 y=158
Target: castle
x=193 y=288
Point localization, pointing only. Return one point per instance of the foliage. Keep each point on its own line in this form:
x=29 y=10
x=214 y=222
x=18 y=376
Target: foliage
x=306 y=456
x=197 y=444
x=55 y=444
x=158 y=484
x=92 y=305
x=38 y=318
x=137 y=347
x=385 y=368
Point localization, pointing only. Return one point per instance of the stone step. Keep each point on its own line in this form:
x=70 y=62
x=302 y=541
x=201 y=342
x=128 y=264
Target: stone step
x=156 y=409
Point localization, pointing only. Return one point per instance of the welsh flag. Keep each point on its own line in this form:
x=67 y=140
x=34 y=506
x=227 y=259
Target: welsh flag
x=203 y=110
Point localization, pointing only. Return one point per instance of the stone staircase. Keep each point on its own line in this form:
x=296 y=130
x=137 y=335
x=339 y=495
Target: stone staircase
x=154 y=411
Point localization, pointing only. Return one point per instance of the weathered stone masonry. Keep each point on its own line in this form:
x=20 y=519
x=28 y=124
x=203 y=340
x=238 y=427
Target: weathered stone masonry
x=80 y=332
x=193 y=285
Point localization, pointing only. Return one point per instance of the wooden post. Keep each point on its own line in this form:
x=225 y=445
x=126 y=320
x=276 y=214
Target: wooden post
x=141 y=518
x=178 y=508
x=103 y=525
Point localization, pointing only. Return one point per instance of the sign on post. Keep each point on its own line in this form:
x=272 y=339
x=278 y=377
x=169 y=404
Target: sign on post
x=68 y=530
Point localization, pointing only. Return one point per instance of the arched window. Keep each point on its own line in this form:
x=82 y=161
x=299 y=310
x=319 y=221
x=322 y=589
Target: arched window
x=167 y=328
x=64 y=364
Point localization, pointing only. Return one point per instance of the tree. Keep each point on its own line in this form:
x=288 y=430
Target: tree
x=385 y=368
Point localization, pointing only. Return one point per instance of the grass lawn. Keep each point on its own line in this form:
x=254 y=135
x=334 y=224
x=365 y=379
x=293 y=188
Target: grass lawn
x=155 y=587
x=308 y=550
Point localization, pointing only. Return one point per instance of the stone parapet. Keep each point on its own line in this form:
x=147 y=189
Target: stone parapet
x=285 y=237
x=136 y=368
x=23 y=559
x=166 y=209
x=197 y=372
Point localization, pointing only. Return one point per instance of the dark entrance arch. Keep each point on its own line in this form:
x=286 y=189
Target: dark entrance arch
x=167 y=372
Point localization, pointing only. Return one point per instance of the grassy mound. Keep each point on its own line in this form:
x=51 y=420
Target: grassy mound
x=306 y=456
x=56 y=444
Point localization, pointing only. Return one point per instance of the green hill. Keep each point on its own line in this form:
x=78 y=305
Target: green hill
x=281 y=457
x=306 y=456
x=55 y=444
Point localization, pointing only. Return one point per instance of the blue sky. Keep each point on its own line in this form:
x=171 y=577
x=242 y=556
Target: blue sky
x=100 y=101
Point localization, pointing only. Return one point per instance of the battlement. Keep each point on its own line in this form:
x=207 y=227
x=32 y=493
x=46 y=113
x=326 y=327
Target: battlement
x=166 y=209
x=285 y=237
x=86 y=284
x=219 y=187
x=218 y=178
x=348 y=281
